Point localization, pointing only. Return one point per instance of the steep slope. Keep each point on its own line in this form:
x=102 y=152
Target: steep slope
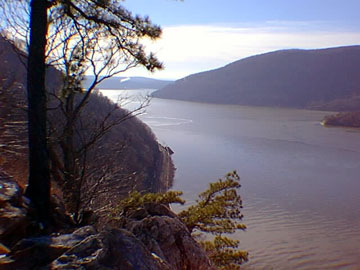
x=288 y=78
x=127 y=157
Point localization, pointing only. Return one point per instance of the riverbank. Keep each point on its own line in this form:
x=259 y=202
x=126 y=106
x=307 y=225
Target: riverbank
x=344 y=119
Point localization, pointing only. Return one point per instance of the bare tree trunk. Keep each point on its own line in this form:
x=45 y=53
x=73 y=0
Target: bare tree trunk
x=38 y=190
x=71 y=176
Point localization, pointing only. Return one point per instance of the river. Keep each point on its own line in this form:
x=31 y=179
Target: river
x=300 y=180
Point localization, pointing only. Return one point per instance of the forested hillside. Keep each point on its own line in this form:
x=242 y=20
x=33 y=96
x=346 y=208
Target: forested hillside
x=326 y=79
x=121 y=159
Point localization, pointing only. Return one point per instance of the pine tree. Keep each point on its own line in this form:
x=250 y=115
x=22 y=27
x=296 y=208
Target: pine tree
x=215 y=216
x=218 y=213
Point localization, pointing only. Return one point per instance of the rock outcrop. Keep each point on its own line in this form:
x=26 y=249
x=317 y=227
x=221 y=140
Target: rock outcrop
x=165 y=235
x=165 y=170
x=13 y=211
x=148 y=238
x=84 y=249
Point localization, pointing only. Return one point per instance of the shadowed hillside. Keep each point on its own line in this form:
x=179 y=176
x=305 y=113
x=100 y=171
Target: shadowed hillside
x=321 y=79
x=126 y=157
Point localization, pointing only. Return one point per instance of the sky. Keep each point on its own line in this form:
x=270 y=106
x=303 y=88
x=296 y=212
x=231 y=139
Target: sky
x=200 y=35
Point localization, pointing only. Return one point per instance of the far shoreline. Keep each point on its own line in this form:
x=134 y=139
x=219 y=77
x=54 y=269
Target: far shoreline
x=342 y=119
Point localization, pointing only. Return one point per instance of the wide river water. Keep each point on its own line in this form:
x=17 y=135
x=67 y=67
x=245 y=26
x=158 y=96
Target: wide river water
x=300 y=180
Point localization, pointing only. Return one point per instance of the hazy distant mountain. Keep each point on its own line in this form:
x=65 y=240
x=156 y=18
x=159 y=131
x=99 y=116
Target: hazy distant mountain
x=322 y=79
x=130 y=83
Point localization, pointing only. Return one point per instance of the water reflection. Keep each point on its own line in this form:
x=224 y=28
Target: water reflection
x=300 y=181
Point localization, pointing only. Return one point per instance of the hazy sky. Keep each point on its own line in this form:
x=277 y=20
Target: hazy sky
x=200 y=35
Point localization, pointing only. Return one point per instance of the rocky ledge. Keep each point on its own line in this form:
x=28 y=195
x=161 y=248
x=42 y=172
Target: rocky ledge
x=151 y=237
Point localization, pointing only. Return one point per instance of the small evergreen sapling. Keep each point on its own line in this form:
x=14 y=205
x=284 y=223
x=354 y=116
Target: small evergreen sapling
x=216 y=213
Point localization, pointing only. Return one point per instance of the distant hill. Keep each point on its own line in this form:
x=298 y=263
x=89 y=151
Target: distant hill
x=343 y=119
x=123 y=83
x=320 y=79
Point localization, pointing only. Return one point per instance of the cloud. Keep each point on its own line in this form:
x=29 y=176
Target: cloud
x=193 y=48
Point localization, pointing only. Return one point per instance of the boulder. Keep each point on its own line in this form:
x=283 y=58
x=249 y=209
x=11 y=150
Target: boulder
x=112 y=249
x=30 y=253
x=164 y=234
x=13 y=211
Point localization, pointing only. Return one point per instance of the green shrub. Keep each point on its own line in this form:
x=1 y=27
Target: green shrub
x=136 y=199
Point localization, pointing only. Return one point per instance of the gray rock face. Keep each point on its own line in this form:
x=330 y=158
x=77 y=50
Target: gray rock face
x=13 y=211
x=171 y=241
x=164 y=234
x=34 y=252
x=111 y=249
x=115 y=249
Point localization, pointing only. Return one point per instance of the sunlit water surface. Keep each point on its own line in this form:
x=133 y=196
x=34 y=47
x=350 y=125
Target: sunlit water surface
x=300 y=180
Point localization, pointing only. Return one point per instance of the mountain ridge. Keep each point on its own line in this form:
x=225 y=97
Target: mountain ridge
x=286 y=78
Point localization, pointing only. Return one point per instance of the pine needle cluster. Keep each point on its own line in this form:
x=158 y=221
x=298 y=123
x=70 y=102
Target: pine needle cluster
x=136 y=199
